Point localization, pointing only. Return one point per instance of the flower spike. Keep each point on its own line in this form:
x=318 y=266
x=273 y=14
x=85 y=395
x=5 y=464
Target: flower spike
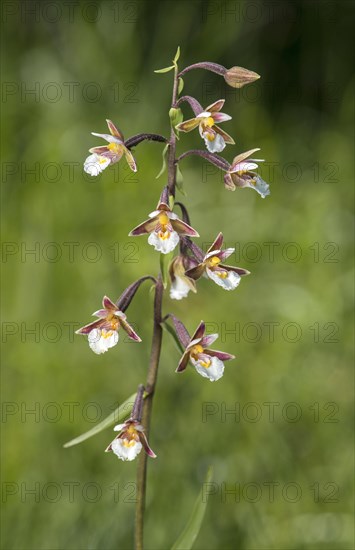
x=103 y=156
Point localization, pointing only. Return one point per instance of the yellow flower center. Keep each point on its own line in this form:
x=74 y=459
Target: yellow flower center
x=209 y=121
x=212 y=262
x=163 y=221
x=114 y=147
x=131 y=437
x=194 y=353
x=107 y=334
x=114 y=324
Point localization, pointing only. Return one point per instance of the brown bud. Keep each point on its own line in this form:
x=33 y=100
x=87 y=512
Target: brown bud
x=237 y=77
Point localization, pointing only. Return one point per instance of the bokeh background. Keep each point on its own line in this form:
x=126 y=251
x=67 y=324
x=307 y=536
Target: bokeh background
x=287 y=451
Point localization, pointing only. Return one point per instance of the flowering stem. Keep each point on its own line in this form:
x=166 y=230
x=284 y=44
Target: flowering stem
x=147 y=411
x=172 y=142
x=155 y=350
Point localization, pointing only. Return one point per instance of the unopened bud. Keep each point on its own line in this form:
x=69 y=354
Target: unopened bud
x=237 y=77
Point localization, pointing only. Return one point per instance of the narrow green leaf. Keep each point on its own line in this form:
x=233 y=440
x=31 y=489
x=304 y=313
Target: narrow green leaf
x=116 y=417
x=177 y=55
x=163 y=168
x=169 y=329
x=180 y=181
x=165 y=260
x=192 y=529
x=165 y=69
x=180 y=85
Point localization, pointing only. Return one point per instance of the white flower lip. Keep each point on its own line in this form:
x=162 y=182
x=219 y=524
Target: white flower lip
x=229 y=283
x=101 y=340
x=95 y=164
x=215 y=146
x=213 y=372
x=164 y=245
x=179 y=289
x=128 y=451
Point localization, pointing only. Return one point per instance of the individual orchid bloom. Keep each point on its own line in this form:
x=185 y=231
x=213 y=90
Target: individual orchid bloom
x=226 y=276
x=103 y=156
x=241 y=174
x=103 y=333
x=215 y=138
x=180 y=283
x=164 y=227
x=209 y=363
x=131 y=438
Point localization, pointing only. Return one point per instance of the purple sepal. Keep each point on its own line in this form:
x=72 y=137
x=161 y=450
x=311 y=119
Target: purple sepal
x=199 y=332
x=219 y=354
x=145 y=444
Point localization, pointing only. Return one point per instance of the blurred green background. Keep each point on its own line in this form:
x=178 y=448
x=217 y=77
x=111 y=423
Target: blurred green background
x=287 y=452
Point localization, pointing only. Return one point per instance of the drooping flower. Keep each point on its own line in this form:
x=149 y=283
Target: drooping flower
x=103 y=156
x=131 y=438
x=209 y=363
x=215 y=138
x=226 y=276
x=241 y=174
x=164 y=227
x=103 y=333
x=180 y=283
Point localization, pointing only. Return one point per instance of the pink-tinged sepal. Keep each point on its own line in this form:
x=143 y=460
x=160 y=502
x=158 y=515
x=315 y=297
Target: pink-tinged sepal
x=146 y=227
x=90 y=327
x=221 y=117
x=226 y=137
x=146 y=446
x=183 y=228
x=199 y=332
x=217 y=244
x=183 y=362
x=223 y=356
x=240 y=270
x=216 y=106
x=130 y=332
x=242 y=157
x=108 y=304
x=101 y=150
x=114 y=130
x=100 y=313
x=208 y=339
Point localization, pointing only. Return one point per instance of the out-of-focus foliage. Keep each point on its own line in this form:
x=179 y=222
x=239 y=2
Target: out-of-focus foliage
x=287 y=450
